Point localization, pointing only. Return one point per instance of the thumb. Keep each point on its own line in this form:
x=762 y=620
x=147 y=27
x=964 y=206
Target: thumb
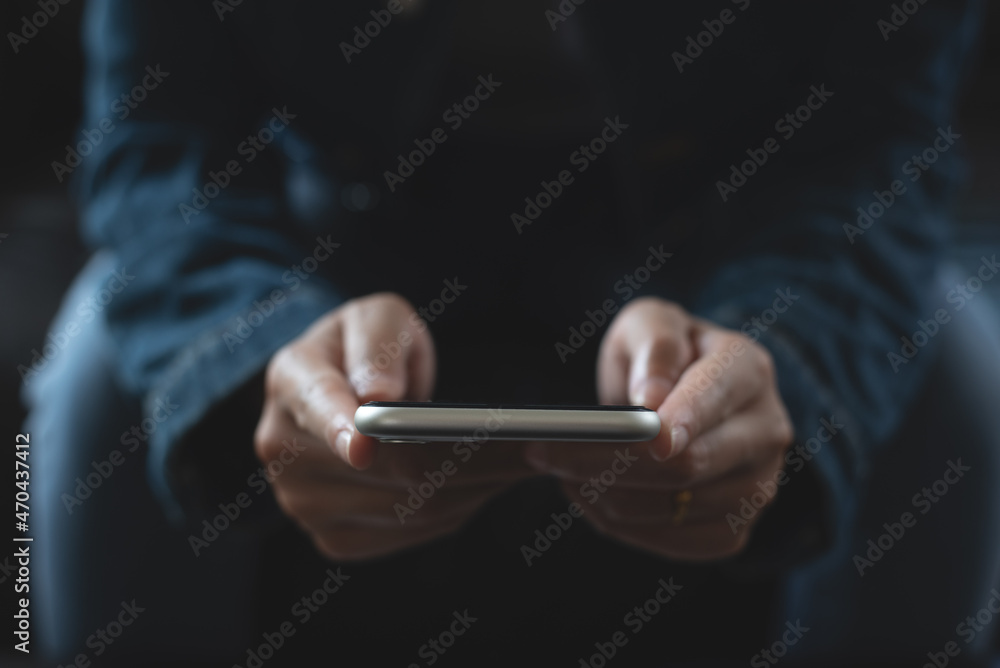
x=647 y=350
x=388 y=357
x=655 y=367
x=659 y=347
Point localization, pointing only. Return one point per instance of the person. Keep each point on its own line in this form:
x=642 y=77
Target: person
x=729 y=216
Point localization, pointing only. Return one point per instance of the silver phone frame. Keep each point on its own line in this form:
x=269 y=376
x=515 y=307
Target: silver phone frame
x=432 y=423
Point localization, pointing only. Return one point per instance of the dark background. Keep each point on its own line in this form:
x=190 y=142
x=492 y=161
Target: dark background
x=41 y=250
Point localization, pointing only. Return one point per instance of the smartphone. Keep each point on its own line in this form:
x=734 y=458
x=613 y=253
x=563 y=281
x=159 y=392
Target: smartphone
x=415 y=422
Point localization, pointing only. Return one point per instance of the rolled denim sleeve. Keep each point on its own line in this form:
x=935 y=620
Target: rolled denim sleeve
x=831 y=292
x=210 y=292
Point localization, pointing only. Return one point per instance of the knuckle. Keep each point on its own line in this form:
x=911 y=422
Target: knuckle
x=266 y=442
x=273 y=374
x=669 y=309
x=728 y=339
x=390 y=300
x=288 y=504
x=638 y=304
x=664 y=344
x=764 y=363
x=262 y=446
x=784 y=433
x=636 y=307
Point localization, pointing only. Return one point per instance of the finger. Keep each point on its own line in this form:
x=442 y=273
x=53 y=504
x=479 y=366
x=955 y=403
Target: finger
x=688 y=541
x=306 y=380
x=746 y=439
x=321 y=506
x=599 y=464
x=351 y=541
x=291 y=453
x=401 y=465
x=464 y=463
x=644 y=353
x=716 y=501
x=729 y=373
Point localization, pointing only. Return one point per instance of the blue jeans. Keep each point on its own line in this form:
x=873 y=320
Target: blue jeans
x=105 y=555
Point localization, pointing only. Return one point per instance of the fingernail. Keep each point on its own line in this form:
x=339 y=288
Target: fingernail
x=343 y=444
x=678 y=439
x=649 y=393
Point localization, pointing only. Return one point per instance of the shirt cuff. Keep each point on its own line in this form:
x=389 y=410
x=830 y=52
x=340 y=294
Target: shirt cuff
x=204 y=375
x=816 y=499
